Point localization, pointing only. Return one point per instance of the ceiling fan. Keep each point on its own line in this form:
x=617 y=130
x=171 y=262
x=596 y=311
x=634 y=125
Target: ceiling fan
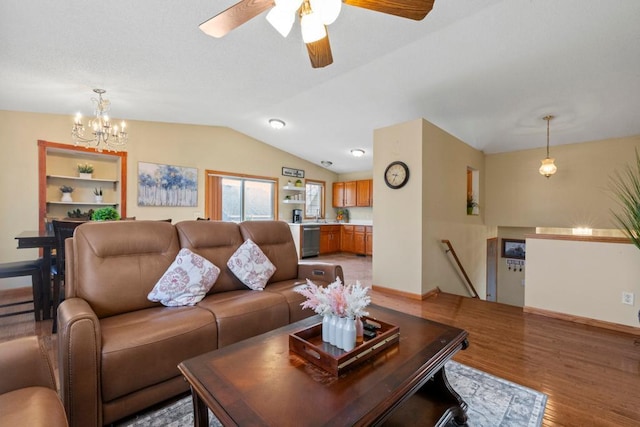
x=314 y=15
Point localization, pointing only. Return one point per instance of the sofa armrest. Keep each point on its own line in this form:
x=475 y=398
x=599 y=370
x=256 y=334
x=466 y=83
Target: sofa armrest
x=79 y=348
x=320 y=271
x=24 y=363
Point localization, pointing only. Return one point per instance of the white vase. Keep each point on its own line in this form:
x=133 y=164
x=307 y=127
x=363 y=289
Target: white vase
x=333 y=326
x=98 y=199
x=349 y=334
x=85 y=175
x=66 y=197
x=342 y=321
x=326 y=324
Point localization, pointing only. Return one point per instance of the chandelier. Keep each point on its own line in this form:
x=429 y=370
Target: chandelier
x=104 y=135
x=547 y=168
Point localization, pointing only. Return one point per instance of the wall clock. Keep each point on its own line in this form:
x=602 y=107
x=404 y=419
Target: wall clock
x=396 y=175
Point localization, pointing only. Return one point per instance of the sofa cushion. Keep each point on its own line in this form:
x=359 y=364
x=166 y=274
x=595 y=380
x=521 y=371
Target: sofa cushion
x=144 y=347
x=216 y=241
x=186 y=281
x=33 y=407
x=244 y=314
x=251 y=266
x=117 y=263
x=276 y=241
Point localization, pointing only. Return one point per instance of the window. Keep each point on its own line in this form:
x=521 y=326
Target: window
x=314 y=199
x=240 y=198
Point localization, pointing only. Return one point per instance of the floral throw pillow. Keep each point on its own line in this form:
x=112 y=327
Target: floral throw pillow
x=186 y=281
x=251 y=266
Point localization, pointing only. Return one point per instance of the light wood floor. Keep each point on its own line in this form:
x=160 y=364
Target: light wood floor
x=590 y=375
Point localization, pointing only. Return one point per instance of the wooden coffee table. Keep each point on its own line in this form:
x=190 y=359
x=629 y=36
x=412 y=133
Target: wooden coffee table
x=260 y=382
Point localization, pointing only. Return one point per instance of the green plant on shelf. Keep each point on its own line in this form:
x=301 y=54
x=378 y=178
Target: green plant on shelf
x=97 y=191
x=85 y=168
x=77 y=213
x=66 y=189
x=105 y=214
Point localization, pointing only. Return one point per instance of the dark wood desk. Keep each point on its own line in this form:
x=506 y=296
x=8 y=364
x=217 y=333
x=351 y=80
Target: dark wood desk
x=47 y=241
x=260 y=382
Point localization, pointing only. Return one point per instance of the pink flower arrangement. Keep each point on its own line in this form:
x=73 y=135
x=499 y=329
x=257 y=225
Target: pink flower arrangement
x=341 y=300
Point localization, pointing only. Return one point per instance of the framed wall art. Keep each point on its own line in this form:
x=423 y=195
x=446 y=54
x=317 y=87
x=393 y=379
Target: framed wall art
x=513 y=248
x=167 y=185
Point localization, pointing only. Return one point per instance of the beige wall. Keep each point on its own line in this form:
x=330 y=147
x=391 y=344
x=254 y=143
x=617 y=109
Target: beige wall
x=584 y=279
x=202 y=147
x=518 y=196
x=411 y=222
x=511 y=283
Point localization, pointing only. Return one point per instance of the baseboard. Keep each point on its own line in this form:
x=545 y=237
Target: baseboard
x=398 y=293
x=583 y=320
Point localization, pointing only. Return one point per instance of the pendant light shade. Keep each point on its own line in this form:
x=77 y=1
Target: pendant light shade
x=547 y=168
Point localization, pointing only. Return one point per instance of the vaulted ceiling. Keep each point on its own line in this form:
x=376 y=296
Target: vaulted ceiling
x=486 y=71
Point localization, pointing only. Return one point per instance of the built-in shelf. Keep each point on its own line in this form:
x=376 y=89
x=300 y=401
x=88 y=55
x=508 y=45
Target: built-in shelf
x=293 y=202
x=77 y=178
x=82 y=203
x=293 y=188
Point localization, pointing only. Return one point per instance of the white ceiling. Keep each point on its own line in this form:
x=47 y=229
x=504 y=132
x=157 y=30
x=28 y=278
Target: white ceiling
x=486 y=71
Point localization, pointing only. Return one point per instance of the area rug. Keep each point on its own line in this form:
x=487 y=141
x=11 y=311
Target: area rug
x=492 y=402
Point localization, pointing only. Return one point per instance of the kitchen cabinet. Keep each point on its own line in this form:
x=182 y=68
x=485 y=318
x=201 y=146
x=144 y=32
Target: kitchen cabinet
x=57 y=166
x=368 y=240
x=364 y=192
x=330 y=239
x=346 y=242
x=350 y=194
x=359 y=246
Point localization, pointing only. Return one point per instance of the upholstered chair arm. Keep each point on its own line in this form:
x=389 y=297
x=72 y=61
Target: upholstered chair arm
x=320 y=271
x=79 y=348
x=24 y=363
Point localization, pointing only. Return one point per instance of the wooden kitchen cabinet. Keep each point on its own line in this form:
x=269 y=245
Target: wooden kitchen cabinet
x=352 y=193
x=368 y=240
x=346 y=242
x=329 y=239
x=359 y=246
x=364 y=192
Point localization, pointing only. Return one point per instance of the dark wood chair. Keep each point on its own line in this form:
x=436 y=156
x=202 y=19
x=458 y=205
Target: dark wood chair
x=203 y=219
x=31 y=268
x=62 y=230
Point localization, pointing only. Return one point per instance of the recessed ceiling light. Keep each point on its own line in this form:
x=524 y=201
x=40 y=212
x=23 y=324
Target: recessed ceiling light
x=277 y=123
x=326 y=163
x=357 y=152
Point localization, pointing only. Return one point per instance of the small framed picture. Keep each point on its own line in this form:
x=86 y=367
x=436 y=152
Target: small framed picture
x=513 y=248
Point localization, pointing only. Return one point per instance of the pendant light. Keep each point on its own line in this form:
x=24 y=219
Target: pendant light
x=547 y=168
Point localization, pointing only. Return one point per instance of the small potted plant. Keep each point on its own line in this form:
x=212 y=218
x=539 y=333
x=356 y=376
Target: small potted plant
x=97 y=192
x=471 y=203
x=105 y=214
x=66 y=193
x=298 y=183
x=85 y=170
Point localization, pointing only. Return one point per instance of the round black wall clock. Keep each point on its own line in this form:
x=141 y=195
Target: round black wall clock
x=396 y=175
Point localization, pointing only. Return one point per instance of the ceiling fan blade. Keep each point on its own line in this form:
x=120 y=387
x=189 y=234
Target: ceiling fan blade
x=320 y=53
x=412 y=9
x=235 y=16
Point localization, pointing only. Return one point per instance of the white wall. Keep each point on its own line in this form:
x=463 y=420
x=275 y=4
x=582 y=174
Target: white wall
x=583 y=278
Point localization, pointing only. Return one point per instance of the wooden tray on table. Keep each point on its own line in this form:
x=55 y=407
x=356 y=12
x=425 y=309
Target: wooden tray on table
x=308 y=344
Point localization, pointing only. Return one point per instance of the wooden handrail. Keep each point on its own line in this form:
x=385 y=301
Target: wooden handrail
x=473 y=292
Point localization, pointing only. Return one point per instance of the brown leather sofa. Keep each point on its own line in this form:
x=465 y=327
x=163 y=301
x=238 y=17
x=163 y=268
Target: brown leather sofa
x=118 y=351
x=28 y=394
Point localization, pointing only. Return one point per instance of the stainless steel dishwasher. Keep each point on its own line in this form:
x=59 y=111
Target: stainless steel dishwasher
x=310 y=240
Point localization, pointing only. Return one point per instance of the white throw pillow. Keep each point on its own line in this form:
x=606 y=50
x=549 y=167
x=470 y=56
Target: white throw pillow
x=251 y=265
x=186 y=281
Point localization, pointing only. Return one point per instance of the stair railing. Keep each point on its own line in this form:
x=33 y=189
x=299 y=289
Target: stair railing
x=450 y=249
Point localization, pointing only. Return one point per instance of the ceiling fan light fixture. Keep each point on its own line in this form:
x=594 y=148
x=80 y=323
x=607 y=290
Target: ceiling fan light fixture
x=328 y=10
x=281 y=19
x=312 y=27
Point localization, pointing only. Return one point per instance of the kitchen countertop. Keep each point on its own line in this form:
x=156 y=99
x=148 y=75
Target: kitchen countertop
x=363 y=222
